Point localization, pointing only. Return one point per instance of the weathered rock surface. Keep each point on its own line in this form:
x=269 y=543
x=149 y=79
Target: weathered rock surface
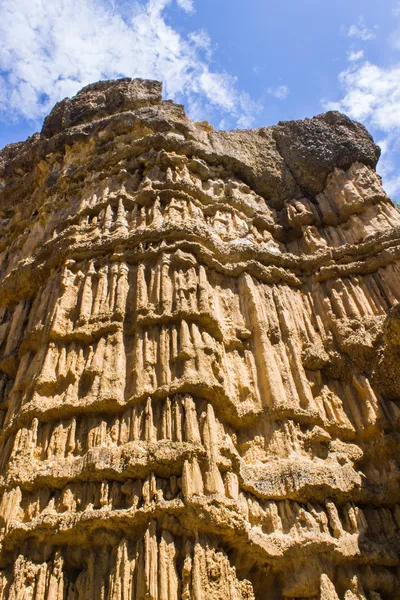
x=199 y=350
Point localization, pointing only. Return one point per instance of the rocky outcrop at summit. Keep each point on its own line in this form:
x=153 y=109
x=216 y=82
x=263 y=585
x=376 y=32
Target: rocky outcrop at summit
x=313 y=148
x=100 y=100
x=276 y=161
x=199 y=339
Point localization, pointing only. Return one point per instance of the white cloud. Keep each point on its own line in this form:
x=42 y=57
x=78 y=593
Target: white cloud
x=371 y=94
x=355 y=55
x=220 y=88
x=280 y=91
x=361 y=31
x=202 y=40
x=187 y=5
x=49 y=50
x=396 y=11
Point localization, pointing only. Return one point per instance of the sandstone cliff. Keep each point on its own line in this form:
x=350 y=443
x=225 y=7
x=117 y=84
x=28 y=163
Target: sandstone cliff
x=199 y=350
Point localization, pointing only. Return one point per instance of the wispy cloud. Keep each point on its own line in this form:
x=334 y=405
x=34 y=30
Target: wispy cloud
x=361 y=31
x=280 y=91
x=186 y=5
x=202 y=40
x=49 y=50
x=355 y=55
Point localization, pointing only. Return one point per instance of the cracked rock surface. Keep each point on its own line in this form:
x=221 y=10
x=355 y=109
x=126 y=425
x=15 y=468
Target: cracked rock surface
x=199 y=358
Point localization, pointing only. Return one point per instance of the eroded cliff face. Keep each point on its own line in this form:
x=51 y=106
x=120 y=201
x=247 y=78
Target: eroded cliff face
x=200 y=341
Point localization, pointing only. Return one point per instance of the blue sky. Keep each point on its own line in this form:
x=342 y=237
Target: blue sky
x=235 y=63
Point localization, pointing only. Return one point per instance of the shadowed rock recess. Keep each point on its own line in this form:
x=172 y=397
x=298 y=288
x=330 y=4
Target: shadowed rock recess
x=199 y=358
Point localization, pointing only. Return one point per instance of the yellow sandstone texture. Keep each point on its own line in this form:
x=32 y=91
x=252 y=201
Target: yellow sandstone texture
x=199 y=359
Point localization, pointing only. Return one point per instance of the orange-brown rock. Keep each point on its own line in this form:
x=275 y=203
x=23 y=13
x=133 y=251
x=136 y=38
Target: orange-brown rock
x=199 y=358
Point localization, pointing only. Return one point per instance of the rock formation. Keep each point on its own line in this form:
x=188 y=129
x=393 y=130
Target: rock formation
x=199 y=358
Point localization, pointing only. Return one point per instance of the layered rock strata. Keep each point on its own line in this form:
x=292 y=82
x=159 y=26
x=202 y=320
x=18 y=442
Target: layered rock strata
x=200 y=341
